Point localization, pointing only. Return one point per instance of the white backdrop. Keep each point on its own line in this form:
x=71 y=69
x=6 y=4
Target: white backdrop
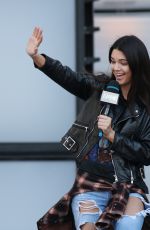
x=33 y=108
x=113 y=26
x=27 y=109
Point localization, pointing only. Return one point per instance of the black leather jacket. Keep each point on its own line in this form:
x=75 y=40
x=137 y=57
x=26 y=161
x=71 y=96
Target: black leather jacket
x=131 y=146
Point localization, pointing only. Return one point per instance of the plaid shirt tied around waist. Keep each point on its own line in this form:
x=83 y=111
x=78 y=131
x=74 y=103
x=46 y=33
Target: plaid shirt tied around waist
x=60 y=215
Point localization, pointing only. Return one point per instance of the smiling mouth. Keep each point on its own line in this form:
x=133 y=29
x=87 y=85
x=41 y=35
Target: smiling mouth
x=119 y=77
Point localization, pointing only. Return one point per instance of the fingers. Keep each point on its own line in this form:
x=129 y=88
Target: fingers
x=104 y=122
x=104 y=119
x=37 y=33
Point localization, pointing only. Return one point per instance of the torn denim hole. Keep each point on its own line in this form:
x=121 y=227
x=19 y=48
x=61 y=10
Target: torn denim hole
x=144 y=212
x=89 y=206
x=134 y=216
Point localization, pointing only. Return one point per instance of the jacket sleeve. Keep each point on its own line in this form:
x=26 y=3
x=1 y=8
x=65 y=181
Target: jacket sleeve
x=81 y=85
x=135 y=150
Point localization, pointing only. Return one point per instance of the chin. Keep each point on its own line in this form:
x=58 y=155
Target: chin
x=120 y=82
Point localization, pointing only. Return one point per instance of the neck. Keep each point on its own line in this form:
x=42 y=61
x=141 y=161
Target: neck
x=125 y=91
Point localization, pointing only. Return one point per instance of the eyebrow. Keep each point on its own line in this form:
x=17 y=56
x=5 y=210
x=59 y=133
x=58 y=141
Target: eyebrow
x=121 y=59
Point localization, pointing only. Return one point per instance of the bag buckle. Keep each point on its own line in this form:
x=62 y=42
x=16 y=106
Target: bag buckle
x=69 y=143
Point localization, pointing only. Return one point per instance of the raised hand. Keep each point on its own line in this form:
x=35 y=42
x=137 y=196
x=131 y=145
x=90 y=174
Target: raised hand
x=34 y=42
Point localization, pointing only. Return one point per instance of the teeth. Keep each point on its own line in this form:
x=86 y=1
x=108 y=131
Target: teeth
x=118 y=75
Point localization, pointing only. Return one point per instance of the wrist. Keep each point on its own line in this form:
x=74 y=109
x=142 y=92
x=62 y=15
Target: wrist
x=33 y=55
x=110 y=136
x=39 y=60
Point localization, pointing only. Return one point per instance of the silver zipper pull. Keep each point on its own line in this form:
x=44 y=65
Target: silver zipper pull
x=116 y=178
x=132 y=179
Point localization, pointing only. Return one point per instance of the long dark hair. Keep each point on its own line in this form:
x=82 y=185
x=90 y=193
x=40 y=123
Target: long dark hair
x=139 y=62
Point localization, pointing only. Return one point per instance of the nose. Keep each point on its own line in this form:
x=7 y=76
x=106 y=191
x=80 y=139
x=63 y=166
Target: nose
x=116 y=66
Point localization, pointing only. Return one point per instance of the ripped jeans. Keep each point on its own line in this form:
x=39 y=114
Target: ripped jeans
x=97 y=202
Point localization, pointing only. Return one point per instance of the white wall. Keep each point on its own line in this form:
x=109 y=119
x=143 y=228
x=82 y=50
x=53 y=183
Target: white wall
x=28 y=114
x=29 y=189
x=31 y=104
x=113 y=26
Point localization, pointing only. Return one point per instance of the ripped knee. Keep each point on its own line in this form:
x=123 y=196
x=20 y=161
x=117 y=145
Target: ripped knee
x=126 y=221
x=88 y=206
x=133 y=216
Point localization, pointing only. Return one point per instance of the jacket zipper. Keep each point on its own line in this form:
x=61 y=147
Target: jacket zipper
x=125 y=119
x=81 y=126
x=131 y=173
x=115 y=175
x=132 y=178
x=87 y=140
x=89 y=134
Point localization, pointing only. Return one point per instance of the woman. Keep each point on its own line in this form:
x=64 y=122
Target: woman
x=109 y=190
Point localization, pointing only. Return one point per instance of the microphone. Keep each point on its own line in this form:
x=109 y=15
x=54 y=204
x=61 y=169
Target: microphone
x=109 y=96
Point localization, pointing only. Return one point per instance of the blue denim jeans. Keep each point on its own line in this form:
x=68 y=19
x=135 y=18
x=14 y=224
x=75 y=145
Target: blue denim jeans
x=99 y=200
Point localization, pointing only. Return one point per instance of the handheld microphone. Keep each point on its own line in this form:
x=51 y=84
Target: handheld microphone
x=109 y=96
